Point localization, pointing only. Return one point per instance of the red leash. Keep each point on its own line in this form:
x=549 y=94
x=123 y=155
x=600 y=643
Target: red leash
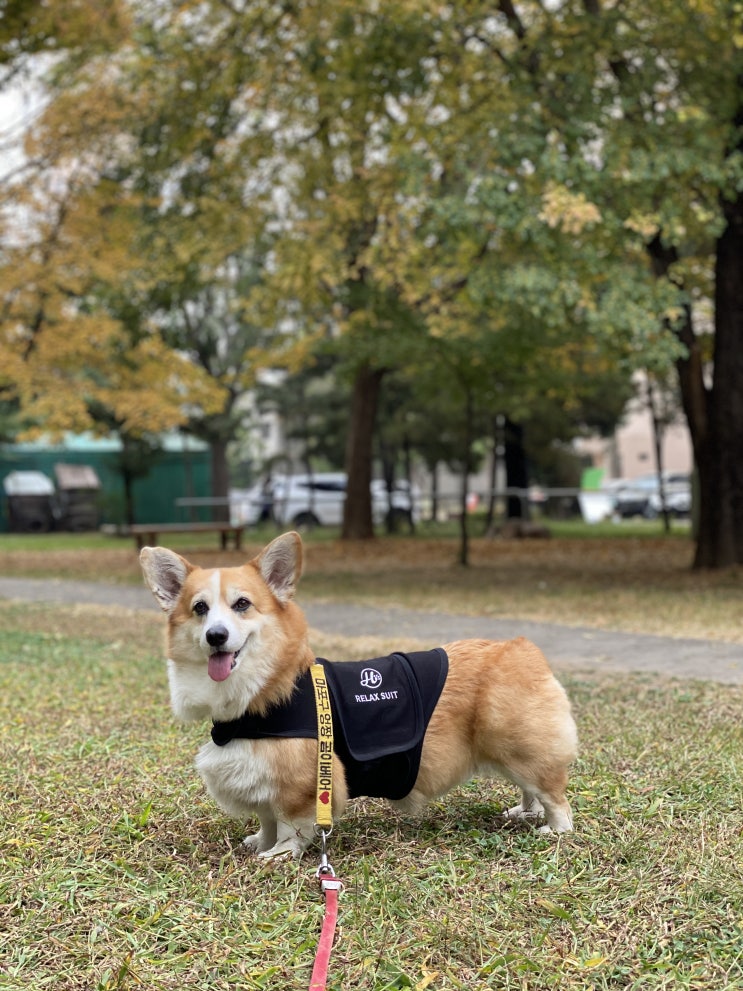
x=330 y=886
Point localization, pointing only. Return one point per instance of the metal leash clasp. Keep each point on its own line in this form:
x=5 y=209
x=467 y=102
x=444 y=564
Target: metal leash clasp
x=326 y=868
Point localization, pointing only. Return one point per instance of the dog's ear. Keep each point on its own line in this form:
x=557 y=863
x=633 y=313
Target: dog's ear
x=280 y=565
x=165 y=572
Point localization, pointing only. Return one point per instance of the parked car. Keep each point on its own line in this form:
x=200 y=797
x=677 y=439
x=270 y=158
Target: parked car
x=406 y=500
x=677 y=490
x=305 y=500
x=641 y=496
x=309 y=500
x=253 y=505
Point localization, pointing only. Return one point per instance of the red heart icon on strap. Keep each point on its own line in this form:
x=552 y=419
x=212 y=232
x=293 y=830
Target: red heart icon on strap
x=324 y=797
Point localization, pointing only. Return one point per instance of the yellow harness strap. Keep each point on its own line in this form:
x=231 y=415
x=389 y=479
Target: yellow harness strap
x=324 y=811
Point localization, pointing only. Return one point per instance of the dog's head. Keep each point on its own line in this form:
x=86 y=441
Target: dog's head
x=222 y=619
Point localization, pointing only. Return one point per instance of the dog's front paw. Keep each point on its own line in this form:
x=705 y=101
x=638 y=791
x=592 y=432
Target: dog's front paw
x=291 y=839
x=263 y=840
x=254 y=843
x=288 y=848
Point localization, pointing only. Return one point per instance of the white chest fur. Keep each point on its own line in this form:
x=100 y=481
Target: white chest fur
x=237 y=776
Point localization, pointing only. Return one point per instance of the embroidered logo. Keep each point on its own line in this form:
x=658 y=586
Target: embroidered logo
x=370 y=678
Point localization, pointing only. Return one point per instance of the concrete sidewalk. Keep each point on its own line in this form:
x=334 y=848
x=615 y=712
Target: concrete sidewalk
x=567 y=647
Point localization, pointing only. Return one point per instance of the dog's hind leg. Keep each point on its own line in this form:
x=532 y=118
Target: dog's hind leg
x=557 y=812
x=545 y=797
x=530 y=807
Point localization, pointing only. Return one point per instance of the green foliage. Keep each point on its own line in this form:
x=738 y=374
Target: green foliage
x=33 y=27
x=465 y=192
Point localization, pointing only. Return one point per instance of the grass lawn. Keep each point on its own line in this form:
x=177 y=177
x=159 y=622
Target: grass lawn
x=117 y=871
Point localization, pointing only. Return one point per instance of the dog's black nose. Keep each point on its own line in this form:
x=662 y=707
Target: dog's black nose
x=217 y=636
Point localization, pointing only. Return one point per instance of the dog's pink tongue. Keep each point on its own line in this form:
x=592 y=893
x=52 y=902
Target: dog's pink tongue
x=220 y=666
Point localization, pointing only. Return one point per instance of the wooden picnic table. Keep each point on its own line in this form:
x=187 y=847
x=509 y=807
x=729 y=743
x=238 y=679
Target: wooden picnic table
x=147 y=533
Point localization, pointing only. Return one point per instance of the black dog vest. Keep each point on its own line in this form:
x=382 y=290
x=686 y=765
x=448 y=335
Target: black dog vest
x=381 y=710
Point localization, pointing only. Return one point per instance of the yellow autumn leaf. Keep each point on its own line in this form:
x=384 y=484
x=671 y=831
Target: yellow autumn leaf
x=570 y=211
x=428 y=977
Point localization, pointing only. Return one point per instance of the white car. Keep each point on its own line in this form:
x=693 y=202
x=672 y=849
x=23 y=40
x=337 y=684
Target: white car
x=641 y=496
x=251 y=506
x=677 y=490
x=305 y=500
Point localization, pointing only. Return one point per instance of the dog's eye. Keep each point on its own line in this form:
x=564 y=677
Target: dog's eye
x=201 y=608
x=242 y=605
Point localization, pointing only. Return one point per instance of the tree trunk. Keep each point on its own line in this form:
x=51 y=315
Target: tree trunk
x=434 y=472
x=715 y=416
x=387 y=458
x=658 y=450
x=720 y=540
x=464 y=533
x=517 y=471
x=695 y=399
x=408 y=463
x=357 y=511
x=469 y=429
x=495 y=455
x=720 y=465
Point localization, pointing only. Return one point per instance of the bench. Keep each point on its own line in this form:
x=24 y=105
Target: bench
x=147 y=533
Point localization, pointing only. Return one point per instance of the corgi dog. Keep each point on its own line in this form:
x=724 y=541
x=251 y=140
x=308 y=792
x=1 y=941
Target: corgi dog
x=238 y=653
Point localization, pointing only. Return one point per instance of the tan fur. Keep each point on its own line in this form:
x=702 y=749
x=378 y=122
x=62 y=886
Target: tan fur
x=501 y=710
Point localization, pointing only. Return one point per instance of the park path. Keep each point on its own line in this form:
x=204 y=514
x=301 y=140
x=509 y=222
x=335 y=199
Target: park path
x=567 y=647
